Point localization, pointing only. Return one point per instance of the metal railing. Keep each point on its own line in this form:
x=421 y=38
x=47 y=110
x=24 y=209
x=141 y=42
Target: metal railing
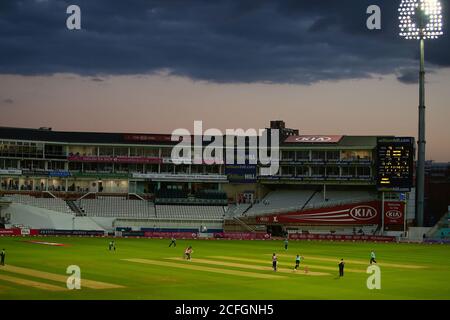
x=242 y=223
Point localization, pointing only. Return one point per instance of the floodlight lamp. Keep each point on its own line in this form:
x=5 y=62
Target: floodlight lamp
x=420 y=19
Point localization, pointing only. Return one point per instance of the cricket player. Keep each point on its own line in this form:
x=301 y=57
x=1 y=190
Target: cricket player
x=297 y=262
x=173 y=242
x=341 y=268
x=188 y=252
x=372 y=257
x=286 y=243
x=2 y=257
x=274 y=262
x=112 y=245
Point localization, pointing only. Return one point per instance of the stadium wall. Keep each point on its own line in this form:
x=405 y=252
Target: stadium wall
x=39 y=218
x=416 y=233
x=106 y=223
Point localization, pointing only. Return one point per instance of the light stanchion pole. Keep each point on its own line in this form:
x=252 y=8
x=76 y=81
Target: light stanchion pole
x=405 y=215
x=382 y=213
x=420 y=20
x=420 y=172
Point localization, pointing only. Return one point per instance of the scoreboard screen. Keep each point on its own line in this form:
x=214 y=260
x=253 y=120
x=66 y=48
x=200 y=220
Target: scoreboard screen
x=395 y=163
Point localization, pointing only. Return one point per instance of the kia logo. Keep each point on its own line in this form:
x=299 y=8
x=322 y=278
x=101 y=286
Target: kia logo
x=314 y=139
x=394 y=214
x=363 y=212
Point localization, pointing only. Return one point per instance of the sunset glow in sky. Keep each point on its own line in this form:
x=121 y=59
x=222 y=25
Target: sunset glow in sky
x=155 y=66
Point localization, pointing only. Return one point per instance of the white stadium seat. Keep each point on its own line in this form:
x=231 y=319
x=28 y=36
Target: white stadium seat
x=189 y=212
x=116 y=207
x=55 y=204
x=284 y=200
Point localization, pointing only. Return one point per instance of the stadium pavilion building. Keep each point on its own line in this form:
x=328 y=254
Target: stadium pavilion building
x=128 y=181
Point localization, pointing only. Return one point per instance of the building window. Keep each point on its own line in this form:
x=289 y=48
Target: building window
x=166 y=168
x=54 y=151
x=39 y=150
x=212 y=169
x=137 y=152
x=318 y=171
x=356 y=155
x=153 y=152
x=348 y=171
x=333 y=171
x=82 y=151
x=363 y=171
x=151 y=168
x=136 y=167
x=181 y=168
x=333 y=155
x=166 y=152
x=121 y=152
x=302 y=171
x=121 y=167
x=195 y=169
x=318 y=155
x=21 y=149
x=38 y=165
x=287 y=171
x=287 y=155
x=9 y=164
x=26 y=164
x=75 y=166
x=55 y=165
x=33 y=164
x=89 y=167
x=106 y=151
x=302 y=155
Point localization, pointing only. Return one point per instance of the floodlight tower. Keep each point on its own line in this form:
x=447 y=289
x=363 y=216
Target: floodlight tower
x=420 y=20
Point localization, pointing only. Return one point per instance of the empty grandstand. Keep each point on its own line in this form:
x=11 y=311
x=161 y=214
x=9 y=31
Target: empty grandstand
x=190 y=212
x=202 y=197
x=116 y=207
x=289 y=200
x=52 y=203
x=441 y=230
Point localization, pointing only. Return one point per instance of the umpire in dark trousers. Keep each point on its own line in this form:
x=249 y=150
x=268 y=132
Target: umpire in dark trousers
x=341 y=268
x=2 y=257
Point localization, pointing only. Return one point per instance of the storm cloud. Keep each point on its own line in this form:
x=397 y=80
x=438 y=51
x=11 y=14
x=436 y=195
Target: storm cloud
x=408 y=76
x=223 y=41
x=8 y=101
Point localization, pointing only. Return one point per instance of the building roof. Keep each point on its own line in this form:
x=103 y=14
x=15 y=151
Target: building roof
x=83 y=137
x=48 y=135
x=337 y=141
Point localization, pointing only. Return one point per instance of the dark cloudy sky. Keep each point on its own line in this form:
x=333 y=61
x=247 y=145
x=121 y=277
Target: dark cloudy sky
x=153 y=66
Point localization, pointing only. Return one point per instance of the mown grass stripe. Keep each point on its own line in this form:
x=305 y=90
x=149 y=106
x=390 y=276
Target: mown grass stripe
x=30 y=283
x=302 y=265
x=188 y=265
x=360 y=262
x=59 y=278
x=253 y=267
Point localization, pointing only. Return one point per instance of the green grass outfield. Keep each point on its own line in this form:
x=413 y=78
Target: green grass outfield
x=223 y=269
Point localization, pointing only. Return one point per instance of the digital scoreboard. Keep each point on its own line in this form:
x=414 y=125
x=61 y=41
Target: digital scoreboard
x=395 y=163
